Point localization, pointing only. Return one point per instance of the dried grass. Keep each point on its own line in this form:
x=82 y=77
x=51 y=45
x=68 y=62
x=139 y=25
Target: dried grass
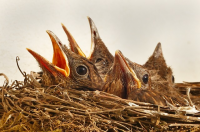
x=26 y=106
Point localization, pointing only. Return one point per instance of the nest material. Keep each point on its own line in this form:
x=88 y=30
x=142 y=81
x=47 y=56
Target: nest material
x=25 y=106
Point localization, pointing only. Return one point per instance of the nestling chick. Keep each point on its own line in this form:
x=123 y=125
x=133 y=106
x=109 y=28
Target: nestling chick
x=131 y=83
x=99 y=53
x=162 y=76
x=68 y=68
x=161 y=73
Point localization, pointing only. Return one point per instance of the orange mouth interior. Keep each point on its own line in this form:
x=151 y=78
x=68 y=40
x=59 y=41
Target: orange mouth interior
x=43 y=62
x=59 y=58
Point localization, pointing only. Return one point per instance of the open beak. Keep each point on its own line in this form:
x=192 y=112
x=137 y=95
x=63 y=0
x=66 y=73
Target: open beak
x=46 y=65
x=59 y=58
x=94 y=35
x=119 y=57
x=73 y=45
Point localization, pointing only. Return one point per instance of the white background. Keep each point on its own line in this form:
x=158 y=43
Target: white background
x=134 y=27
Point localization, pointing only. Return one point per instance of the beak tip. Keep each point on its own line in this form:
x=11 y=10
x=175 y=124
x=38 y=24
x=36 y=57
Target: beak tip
x=117 y=51
x=48 y=31
x=62 y=25
x=29 y=50
x=90 y=21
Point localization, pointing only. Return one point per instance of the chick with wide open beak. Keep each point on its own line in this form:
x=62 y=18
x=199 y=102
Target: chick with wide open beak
x=47 y=66
x=59 y=61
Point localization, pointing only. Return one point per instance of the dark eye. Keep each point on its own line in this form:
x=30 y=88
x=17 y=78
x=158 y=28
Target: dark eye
x=98 y=60
x=81 y=70
x=145 y=78
x=173 y=79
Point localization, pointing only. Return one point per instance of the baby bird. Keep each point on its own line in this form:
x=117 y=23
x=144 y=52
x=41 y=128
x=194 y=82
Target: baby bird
x=131 y=82
x=68 y=68
x=162 y=75
x=159 y=74
x=99 y=53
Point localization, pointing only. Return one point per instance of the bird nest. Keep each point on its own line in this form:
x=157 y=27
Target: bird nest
x=26 y=106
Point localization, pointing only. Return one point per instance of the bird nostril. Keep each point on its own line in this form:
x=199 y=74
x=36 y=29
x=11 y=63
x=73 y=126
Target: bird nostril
x=94 y=33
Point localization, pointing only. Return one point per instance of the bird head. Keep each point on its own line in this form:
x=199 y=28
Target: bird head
x=68 y=68
x=99 y=53
x=121 y=78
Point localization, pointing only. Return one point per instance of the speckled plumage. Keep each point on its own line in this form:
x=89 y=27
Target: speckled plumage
x=162 y=76
x=157 y=62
